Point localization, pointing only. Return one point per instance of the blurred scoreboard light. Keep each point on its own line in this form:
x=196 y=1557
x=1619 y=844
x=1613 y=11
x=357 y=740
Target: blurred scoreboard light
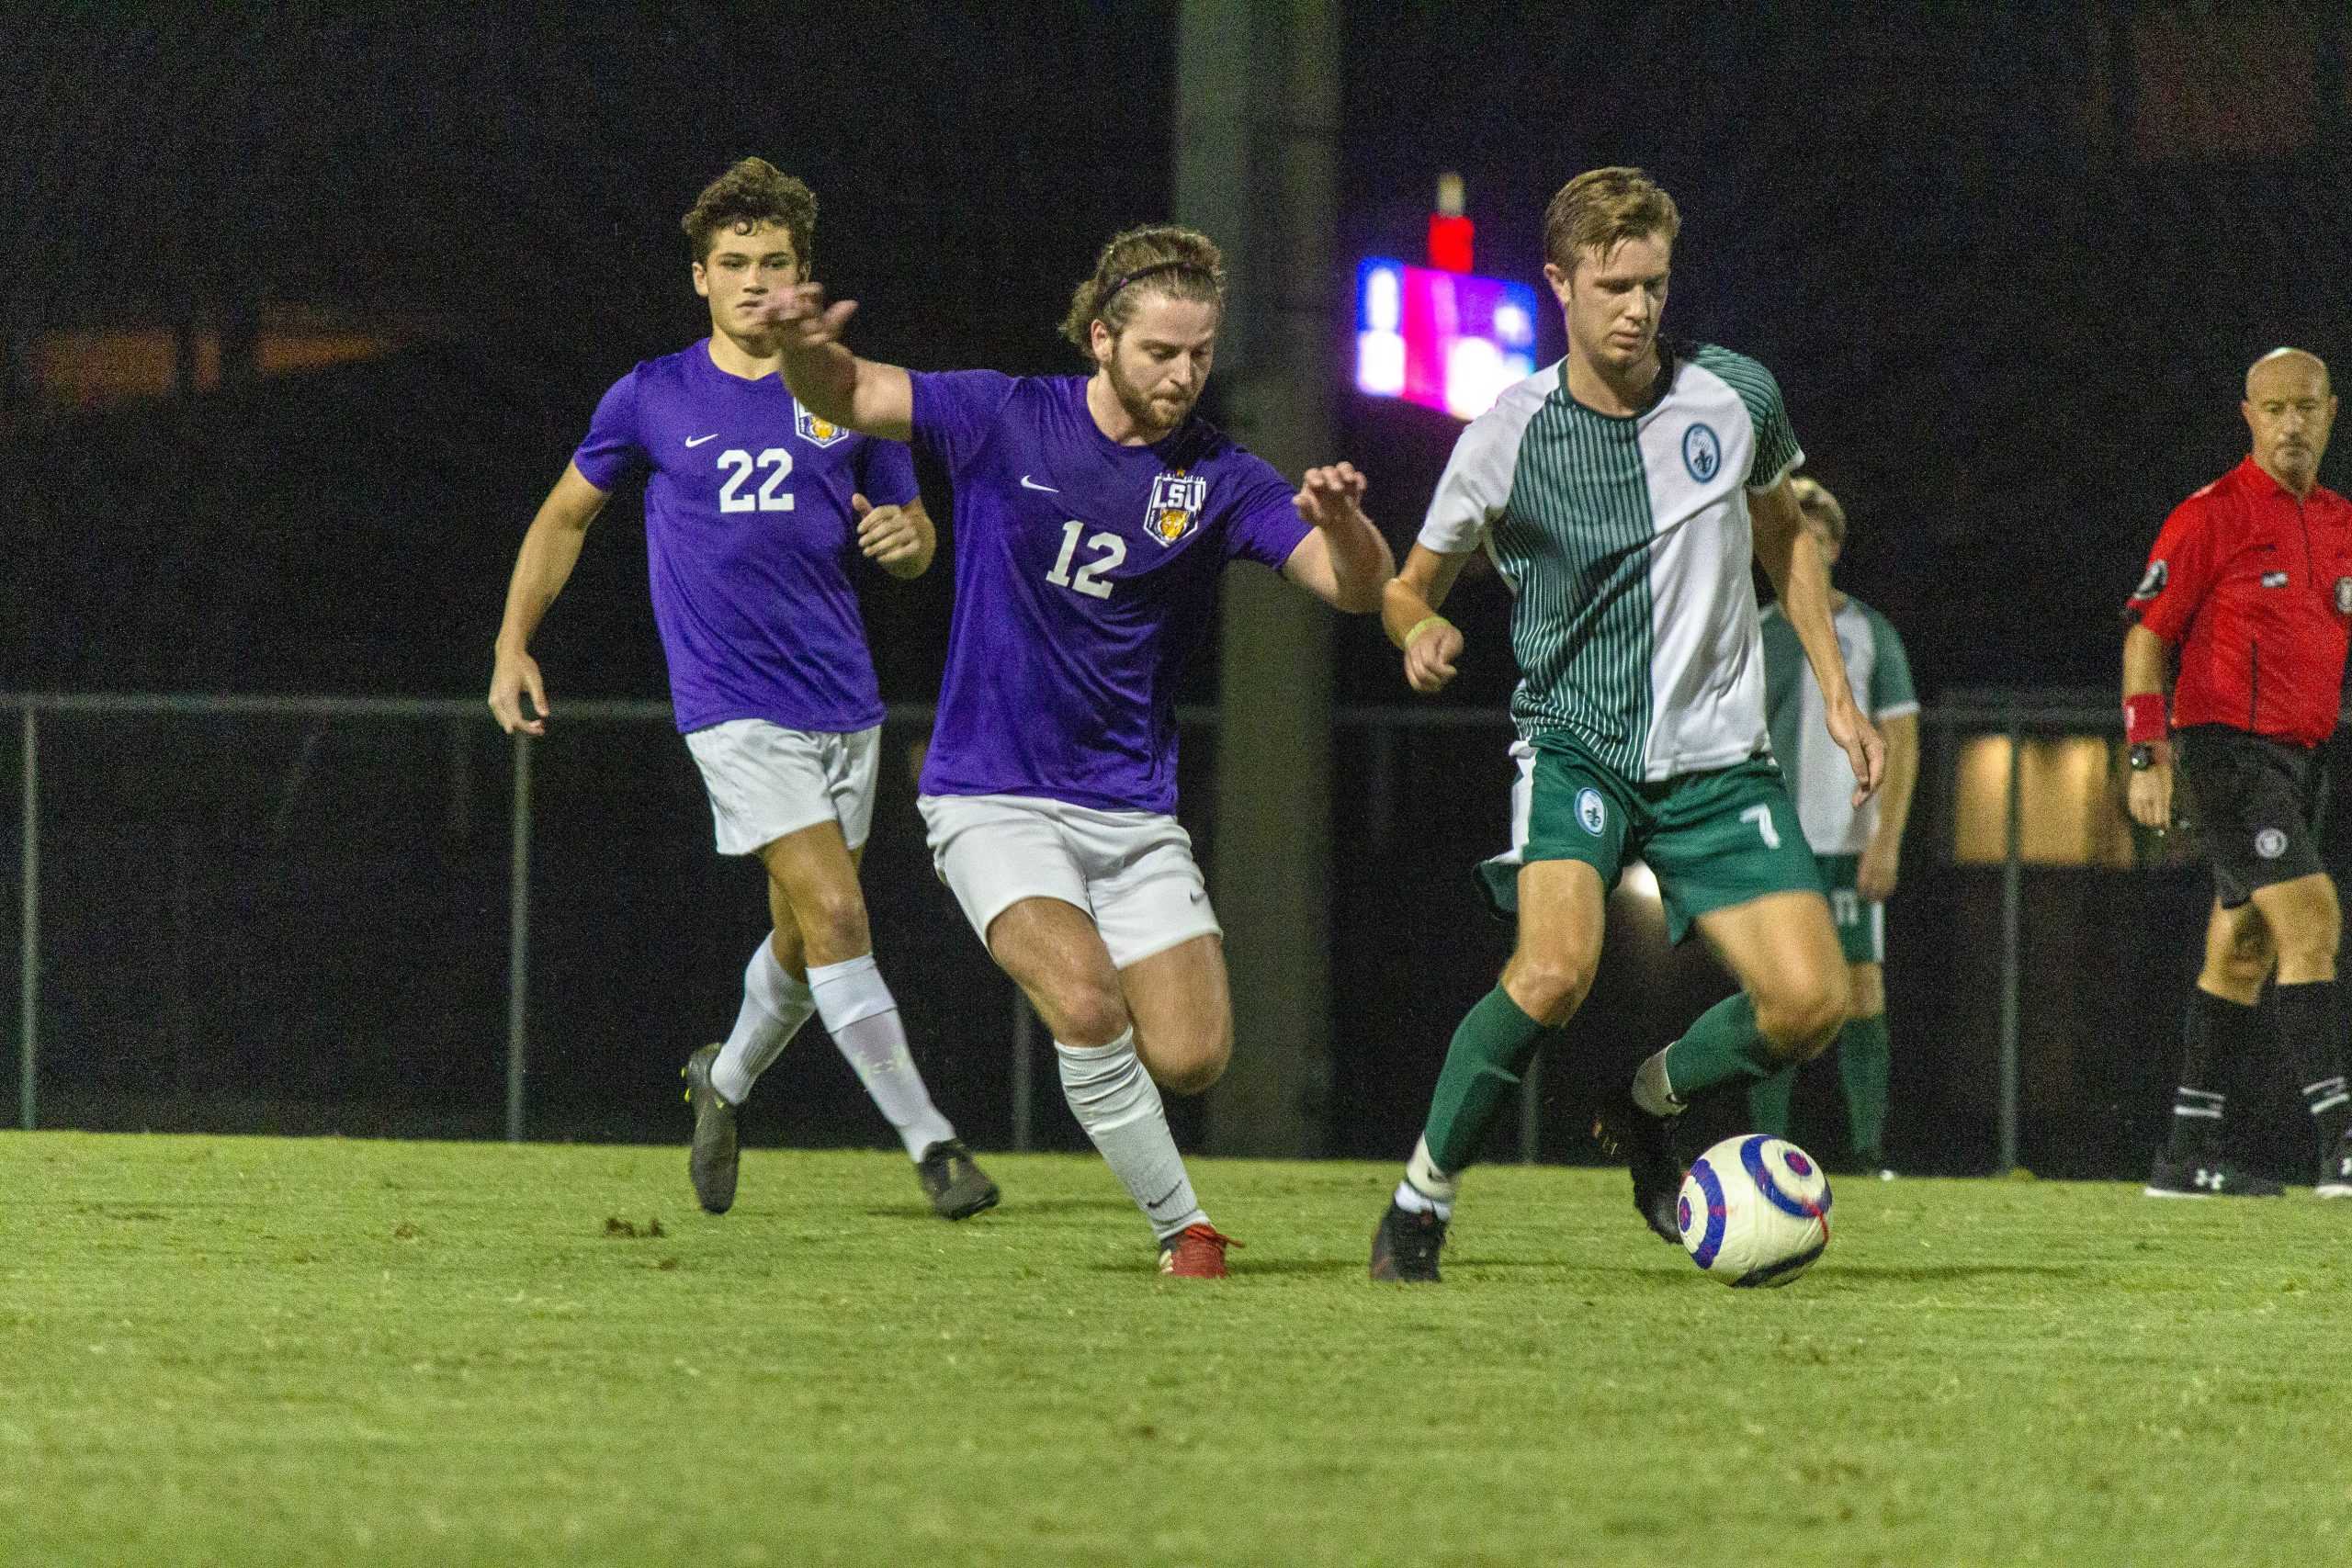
x=1444 y=340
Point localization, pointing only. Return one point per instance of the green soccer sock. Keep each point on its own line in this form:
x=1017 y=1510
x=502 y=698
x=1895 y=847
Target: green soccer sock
x=1720 y=1046
x=1492 y=1046
x=1768 y=1102
x=1861 y=1068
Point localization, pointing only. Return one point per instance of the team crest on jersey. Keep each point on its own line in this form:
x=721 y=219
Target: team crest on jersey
x=816 y=431
x=2270 y=843
x=1175 y=510
x=2344 y=596
x=2153 y=583
x=1702 y=453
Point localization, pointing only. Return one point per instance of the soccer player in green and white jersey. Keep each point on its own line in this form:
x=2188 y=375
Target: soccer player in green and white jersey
x=1858 y=851
x=1624 y=493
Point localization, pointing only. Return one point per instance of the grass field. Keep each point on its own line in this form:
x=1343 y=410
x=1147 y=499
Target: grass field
x=257 y=1351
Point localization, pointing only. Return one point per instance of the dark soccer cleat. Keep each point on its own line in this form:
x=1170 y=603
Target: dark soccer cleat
x=2335 y=1170
x=1646 y=1142
x=711 y=1158
x=957 y=1189
x=1405 y=1247
x=1196 y=1252
x=2211 y=1178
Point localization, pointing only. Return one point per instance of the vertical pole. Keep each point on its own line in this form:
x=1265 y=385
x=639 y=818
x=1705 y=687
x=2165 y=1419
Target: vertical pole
x=1531 y=1111
x=28 y=932
x=1025 y=1042
x=518 y=937
x=2012 y=918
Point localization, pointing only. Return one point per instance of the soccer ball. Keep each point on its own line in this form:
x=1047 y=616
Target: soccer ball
x=1754 y=1211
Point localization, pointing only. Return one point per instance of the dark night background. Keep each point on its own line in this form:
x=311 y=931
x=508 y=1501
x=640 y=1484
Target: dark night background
x=2008 y=263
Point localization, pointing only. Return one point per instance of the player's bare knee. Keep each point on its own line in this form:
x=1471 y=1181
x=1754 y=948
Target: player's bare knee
x=1548 y=987
x=1799 y=1020
x=834 y=923
x=1192 y=1064
x=1081 y=1012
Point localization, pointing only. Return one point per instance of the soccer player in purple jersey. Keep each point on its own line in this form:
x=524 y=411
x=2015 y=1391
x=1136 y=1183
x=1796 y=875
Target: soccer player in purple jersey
x=1093 y=516
x=756 y=510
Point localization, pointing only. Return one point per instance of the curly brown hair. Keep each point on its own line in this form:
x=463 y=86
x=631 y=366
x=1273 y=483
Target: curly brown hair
x=1160 y=258
x=752 y=193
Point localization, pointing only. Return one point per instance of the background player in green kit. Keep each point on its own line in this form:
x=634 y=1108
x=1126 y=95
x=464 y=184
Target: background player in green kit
x=1858 y=849
x=1623 y=494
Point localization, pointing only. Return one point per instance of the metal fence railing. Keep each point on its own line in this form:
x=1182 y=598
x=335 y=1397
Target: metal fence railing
x=1381 y=730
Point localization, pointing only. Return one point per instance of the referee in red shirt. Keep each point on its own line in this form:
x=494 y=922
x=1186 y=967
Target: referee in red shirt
x=2251 y=578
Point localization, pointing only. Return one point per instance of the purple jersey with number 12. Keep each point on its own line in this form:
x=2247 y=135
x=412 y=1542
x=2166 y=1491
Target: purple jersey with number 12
x=750 y=541
x=1085 y=574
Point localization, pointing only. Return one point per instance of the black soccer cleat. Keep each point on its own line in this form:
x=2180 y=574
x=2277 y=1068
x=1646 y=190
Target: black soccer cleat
x=2207 y=1178
x=1646 y=1142
x=2335 y=1170
x=1405 y=1246
x=711 y=1158
x=957 y=1188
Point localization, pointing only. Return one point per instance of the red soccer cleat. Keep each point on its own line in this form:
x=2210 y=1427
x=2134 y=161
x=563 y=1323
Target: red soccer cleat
x=1197 y=1253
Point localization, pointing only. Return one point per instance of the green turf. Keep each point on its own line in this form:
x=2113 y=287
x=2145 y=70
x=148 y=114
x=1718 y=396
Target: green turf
x=254 y=1351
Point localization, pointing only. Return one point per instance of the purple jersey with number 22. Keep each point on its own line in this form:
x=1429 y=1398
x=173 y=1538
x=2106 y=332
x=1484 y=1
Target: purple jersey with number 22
x=748 y=539
x=1085 y=573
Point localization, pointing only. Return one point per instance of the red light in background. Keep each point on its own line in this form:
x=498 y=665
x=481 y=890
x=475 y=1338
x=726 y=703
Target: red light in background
x=1450 y=243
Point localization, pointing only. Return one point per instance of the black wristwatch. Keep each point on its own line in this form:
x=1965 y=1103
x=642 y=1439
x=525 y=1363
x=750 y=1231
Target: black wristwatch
x=2143 y=757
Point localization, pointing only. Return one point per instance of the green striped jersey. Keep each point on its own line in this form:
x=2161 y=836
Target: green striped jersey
x=1627 y=543
x=1816 y=772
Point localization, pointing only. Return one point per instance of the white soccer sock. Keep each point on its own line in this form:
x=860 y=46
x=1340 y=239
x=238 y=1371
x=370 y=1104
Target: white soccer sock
x=1426 y=1189
x=1654 y=1090
x=1116 y=1102
x=862 y=1018
x=775 y=1007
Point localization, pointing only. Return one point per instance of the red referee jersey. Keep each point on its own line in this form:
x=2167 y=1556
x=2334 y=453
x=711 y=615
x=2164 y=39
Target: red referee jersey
x=2255 y=588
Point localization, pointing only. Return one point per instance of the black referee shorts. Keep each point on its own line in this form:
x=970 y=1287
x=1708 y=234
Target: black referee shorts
x=2254 y=804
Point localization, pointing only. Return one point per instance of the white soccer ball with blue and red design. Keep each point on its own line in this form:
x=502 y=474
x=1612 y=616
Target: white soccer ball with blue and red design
x=1754 y=1211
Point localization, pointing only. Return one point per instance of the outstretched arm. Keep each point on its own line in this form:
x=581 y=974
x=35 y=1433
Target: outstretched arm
x=550 y=549
x=1409 y=606
x=1345 y=560
x=828 y=380
x=1790 y=560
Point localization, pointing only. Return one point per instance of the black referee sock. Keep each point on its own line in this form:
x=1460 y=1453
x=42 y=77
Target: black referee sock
x=2213 y=1025
x=2307 y=1030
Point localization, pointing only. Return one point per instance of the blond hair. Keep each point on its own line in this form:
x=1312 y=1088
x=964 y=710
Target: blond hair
x=751 y=194
x=1815 y=501
x=1602 y=208
x=1160 y=258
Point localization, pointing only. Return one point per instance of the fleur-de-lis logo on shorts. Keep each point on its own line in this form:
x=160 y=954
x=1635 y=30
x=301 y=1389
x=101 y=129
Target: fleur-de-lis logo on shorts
x=1175 y=509
x=1593 y=814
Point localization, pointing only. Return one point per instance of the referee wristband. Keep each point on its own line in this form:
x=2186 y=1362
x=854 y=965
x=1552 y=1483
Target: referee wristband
x=2143 y=718
x=1417 y=627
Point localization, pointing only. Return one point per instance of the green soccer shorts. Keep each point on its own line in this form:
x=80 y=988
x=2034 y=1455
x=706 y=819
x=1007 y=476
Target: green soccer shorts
x=1714 y=838
x=1861 y=925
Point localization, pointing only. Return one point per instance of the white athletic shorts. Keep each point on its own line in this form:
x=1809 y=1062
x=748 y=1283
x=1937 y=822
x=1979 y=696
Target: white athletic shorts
x=1132 y=871
x=766 y=781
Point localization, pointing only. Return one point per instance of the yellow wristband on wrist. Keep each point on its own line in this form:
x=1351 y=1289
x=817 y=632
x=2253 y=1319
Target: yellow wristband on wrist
x=1417 y=627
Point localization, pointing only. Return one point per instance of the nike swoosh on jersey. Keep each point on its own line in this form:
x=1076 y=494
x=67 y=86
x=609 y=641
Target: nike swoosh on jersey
x=693 y=441
x=1028 y=483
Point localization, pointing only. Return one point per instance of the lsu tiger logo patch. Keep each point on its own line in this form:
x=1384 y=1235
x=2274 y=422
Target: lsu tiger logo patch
x=1175 y=509
x=814 y=431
